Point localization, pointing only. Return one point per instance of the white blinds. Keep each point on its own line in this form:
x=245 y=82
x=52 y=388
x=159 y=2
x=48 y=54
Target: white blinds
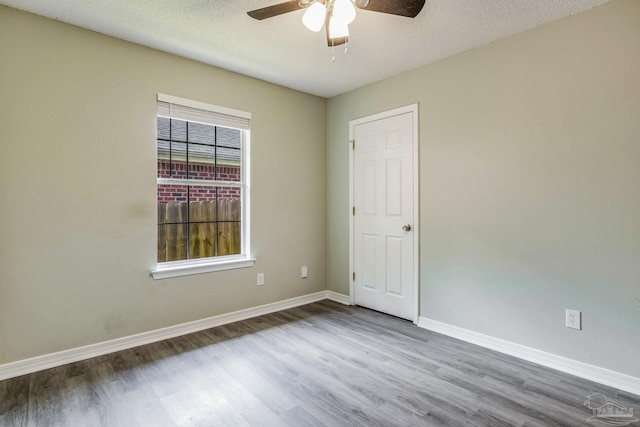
x=194 y=111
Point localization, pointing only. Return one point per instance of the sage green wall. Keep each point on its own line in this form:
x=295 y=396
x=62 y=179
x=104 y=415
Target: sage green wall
x=77 y=184
x=529 y=185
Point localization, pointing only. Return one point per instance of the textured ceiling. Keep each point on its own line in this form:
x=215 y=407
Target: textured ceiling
x=281 y=50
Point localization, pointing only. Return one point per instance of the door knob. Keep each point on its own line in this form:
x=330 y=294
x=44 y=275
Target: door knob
x=406 y=227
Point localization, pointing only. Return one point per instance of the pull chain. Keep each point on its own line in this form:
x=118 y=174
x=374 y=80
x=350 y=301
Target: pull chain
x=333 y=57
x=346 y=49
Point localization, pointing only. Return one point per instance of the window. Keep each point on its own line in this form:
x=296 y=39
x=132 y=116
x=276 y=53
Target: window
x=202 y=187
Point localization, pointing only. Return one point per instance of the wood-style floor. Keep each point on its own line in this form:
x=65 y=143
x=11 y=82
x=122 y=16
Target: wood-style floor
x=322 y=364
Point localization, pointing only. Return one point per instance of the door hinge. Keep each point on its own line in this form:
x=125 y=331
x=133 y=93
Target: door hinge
x=353 y=144
x=353 y=211
x=354 y=276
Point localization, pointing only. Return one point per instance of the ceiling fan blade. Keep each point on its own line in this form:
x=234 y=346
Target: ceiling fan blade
x=274 y=10
x=408 y=8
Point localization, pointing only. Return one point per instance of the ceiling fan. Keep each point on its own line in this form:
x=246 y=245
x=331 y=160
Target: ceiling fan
x=336 y=15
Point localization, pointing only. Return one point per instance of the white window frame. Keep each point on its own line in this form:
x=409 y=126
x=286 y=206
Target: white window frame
x=186 y=109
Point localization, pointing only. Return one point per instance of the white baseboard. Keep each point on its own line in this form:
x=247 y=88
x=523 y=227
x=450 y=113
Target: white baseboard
x=573 y=367
x=39 y=363
x=341 y=298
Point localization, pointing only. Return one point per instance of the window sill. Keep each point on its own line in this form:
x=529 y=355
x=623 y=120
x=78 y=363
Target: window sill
x=186 y=268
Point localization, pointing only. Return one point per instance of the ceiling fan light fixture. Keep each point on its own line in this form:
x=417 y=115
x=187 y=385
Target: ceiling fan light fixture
x=344 y=10
x=336 y=15
x=338 y=28
x=313 y=18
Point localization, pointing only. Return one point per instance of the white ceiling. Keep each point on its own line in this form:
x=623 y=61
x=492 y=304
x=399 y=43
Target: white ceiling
x=281 y=50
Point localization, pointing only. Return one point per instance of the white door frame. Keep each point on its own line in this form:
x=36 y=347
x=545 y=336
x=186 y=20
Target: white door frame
x=413 y=109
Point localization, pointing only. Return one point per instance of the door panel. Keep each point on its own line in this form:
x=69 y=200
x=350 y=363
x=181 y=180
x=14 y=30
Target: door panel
x=369 y=188
x=394 y=181
x=394 y=266
x=369 y=261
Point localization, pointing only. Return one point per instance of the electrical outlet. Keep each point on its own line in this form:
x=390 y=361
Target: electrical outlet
x=304 y=271
x=260 y=279
x=573 y=319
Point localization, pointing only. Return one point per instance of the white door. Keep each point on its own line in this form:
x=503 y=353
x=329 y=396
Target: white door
x=384 y=227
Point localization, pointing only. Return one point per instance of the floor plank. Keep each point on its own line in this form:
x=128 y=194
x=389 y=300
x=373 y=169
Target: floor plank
x=323 y=364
